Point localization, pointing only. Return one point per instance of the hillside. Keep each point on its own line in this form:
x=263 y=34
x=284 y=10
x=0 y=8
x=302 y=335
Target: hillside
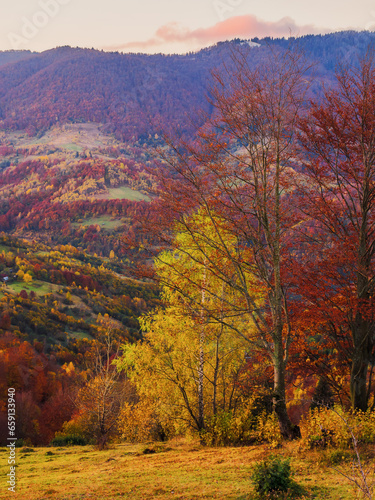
x=135 y=94
x=121 y=91
x=79 y=130
x=80 y=127
x=54 y=304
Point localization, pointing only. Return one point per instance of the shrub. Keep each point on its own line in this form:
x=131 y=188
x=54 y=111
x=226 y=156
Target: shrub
x=272 y=475
x=68 y=440
x=73 y=433
x=139 y=422
x=269 y=430
x=337 y=456
x=22 y=442
x=228 y=428
x=252 y=421
x=324 y=427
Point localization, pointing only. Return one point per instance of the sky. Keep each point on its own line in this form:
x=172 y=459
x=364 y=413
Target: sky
x=170 y=26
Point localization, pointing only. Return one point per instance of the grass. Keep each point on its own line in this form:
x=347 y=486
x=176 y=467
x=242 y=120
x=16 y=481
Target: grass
x=6 y=248
x=176 y=470
x=39 y=287
x=104 y=222
x=125 y=193
x=79 y=335
x=72 y=147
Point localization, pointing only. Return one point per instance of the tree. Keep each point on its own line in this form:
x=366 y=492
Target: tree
x=189 y=361
x=100 y=400
x=339 y=192
x=239 y=171
x=27 y=278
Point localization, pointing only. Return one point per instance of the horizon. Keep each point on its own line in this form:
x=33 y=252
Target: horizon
x=170 y=26
x=229 y=40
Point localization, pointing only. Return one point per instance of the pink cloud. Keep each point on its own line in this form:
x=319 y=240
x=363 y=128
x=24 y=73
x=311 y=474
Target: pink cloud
x=248 y=26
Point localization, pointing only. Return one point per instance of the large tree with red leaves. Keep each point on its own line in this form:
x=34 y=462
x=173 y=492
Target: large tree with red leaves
x=239 y=175
x=339 y=200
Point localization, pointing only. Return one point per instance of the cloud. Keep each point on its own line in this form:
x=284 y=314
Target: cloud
x=248 y=26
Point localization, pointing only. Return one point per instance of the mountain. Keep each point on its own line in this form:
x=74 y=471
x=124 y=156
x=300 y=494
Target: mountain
x=120 y=91
x=10 y=56
x=78 y=129
x=133 y=94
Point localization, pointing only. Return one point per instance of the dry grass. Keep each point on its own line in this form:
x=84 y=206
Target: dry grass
x=175 y=470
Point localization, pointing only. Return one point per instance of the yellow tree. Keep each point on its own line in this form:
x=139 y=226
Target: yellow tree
x=27 y=278
x=190 y=360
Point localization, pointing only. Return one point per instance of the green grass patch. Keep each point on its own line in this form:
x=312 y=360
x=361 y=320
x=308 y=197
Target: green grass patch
x=70 y=146
x=125 y=193
x=6 y=249
x=104 y=222
x=79 y=335
x=39 y=287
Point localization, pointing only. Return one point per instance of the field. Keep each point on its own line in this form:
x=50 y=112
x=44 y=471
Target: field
x=166 y=471
x=39 y=287
x=73 y=137
x=105 y=222
x=125 y=193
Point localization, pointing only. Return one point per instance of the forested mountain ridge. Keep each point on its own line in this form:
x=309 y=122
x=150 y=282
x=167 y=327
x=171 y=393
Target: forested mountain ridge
x=133 y=94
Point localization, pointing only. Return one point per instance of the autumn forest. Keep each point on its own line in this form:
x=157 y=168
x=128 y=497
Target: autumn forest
x=187 y=243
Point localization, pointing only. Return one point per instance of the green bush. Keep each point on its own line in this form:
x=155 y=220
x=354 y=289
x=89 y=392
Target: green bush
x=273 y=475
x=221 y=430
x=20 y=443
x=332 y=457
x=69 y=440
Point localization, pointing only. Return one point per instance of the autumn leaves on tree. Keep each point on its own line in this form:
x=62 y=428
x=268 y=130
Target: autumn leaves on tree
x=339 y=142
x=273 y=203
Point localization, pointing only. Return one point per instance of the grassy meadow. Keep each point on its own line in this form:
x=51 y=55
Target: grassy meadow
x=178 y=469
x=125 y=193
x=105 y=222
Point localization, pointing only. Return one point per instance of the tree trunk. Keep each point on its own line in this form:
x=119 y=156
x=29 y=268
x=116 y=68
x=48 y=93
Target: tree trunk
x=216 y=373
x=361 y=327
x=358 y=382
x=201 y=356
x=288 y=431
x=358 y=376
x=279 y=399
x=200 y=384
